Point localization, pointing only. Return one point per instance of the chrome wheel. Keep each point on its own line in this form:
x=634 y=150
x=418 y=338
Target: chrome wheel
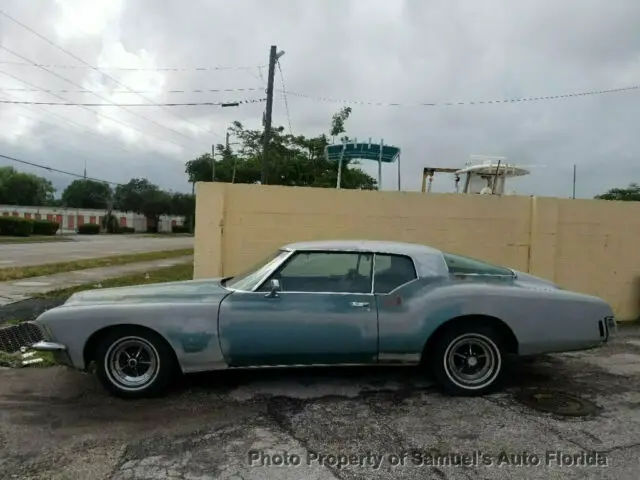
x=132 y=363
x=472 y=361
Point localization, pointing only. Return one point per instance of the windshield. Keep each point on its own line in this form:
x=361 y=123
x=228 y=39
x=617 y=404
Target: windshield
x=250 y=278
x=459 y=265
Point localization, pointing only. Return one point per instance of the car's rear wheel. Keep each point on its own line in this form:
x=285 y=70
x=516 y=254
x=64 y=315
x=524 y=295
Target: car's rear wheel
x=134 y=363
x=468 y=360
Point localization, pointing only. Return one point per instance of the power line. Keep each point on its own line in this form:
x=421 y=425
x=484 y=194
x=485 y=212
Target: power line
x=284 y=97
x=120 y=122
x=101 y=97
x=117 y=82
x=86 y=130
x=210 y=90
x=51 y=169
x=477 y=102
x=233 y=103
x=136 y=69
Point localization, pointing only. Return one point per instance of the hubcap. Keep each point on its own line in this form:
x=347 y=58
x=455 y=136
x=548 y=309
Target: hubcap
x=132 y=363
x=472 y=361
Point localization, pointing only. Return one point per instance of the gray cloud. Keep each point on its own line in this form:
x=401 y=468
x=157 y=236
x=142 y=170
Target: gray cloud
x=377 y=50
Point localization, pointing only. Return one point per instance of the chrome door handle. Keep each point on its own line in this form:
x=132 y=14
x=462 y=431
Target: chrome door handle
x=360 y=304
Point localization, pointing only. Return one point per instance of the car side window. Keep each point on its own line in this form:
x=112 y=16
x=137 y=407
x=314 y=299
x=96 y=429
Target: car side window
x=331 y=272
x=392 y=271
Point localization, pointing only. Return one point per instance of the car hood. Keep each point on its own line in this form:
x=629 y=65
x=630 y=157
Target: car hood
x=171 y=292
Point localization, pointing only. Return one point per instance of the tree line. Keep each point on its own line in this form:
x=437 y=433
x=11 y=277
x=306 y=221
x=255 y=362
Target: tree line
x=138 y=195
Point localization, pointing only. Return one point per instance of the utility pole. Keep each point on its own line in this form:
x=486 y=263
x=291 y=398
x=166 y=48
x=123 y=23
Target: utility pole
x=273 y=58
x=213 y=162
x=573 y=195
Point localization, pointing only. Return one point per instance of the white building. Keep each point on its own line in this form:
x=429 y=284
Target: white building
x=70 y=218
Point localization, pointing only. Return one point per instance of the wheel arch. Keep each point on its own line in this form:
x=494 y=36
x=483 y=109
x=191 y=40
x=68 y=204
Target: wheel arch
x=509 y=338
x=89 y=350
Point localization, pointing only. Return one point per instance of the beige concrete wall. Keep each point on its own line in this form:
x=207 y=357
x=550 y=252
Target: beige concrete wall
x=586 y=245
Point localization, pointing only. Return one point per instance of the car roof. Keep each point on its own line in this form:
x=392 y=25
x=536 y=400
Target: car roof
x=380 y=246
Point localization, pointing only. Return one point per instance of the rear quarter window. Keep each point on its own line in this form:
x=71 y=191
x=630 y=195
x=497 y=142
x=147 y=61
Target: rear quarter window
x=459 y=265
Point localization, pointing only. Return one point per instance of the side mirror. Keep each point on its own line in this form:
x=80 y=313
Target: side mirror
x=275 y=288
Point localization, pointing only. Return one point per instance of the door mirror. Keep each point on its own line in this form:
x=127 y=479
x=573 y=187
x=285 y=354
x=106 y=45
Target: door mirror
x=275 y=288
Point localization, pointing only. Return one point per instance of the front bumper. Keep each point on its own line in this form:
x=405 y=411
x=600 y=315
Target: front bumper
x=44 y=346
x=608 y=328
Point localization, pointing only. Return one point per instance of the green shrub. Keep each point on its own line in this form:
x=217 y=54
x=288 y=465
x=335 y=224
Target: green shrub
x=180 y=229
x=45 y=227
x=15 y=226
x=88 y=229
x=110 y=223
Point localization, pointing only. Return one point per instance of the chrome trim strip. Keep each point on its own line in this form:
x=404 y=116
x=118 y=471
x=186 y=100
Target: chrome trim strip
x=481 y=275
x=373 y=364
x=314 y=293
x=48 y=347
x=273 y=269
x=304 y=365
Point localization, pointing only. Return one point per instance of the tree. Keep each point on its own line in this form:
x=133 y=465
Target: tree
x=18 y=188
x=182 y=204
x=294 y=160
x=130 y=197
x=629 y=194
x=337 y=123
x=141 y=196
x=87 y=194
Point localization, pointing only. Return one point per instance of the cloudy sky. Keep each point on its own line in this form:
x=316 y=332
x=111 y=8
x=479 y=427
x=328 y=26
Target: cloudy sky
x=385 y=51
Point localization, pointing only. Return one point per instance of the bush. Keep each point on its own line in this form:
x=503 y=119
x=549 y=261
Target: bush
x=110 y=223
x=127 y=230
x=88 y=229
x=15 y=226
x=45 y=227
x=180 y=229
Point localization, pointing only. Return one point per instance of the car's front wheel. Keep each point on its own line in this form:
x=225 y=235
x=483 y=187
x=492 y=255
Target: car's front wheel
x=468 y=360
x=134 y=363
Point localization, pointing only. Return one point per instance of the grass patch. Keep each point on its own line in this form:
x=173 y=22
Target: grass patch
x=17 y=273
x=14 y=360
x=34 y=239
x=8 y=323
x=174 y=273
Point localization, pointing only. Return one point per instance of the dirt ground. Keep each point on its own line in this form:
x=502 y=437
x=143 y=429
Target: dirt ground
x=326 y=424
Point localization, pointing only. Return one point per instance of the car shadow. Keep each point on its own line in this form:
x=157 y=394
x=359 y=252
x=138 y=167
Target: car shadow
x=338 y=380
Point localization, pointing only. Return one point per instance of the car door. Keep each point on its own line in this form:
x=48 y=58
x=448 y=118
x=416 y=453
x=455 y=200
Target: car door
x=324 y=313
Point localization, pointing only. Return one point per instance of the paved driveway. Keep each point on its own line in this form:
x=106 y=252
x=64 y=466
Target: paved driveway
x=59 y=424
x=86 y=246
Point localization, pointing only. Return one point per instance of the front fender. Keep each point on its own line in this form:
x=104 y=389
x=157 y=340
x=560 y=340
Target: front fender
x=191 y=329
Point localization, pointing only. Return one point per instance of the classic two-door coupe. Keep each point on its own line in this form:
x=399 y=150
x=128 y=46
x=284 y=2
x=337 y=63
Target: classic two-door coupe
x=327 y=303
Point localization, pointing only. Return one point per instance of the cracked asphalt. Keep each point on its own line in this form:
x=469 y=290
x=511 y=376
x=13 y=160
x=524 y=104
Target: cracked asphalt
x=325 y=424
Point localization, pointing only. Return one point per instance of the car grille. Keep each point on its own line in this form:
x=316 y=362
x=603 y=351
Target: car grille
x=14 y=337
